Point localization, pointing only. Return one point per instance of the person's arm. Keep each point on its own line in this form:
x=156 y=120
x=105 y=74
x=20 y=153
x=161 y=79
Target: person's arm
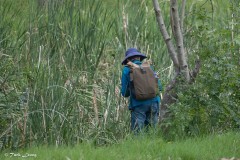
x=160 y=88
x=159 y=83
x=125 y=91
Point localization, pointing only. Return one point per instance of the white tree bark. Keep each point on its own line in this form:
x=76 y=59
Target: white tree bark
x=182 y=56
x=167 y=39
x=179 y=58
x=182 y=15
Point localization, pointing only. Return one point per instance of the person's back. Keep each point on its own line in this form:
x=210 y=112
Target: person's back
x=143 y=112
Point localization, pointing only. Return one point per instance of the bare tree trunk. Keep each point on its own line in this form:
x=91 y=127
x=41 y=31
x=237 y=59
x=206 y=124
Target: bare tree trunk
x=167 y=39
x=182 y=57
x=177 y=54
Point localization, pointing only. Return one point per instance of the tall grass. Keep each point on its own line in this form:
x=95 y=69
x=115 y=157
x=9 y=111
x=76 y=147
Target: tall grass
x=56 y=55
x=60 y=69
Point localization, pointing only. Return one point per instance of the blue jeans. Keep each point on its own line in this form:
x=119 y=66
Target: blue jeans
x=144 y=116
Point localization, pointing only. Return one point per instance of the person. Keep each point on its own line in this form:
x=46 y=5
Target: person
x=144 y=113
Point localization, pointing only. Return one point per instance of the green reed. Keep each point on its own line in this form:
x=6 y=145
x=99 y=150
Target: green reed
x=61 y=70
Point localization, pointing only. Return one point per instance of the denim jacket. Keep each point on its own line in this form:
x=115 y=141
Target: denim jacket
x=125 y=90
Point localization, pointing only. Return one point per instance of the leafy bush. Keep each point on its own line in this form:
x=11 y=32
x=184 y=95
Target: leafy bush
x=212 y=103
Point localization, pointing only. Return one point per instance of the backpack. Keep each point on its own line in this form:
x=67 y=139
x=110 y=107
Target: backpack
x=143 y=82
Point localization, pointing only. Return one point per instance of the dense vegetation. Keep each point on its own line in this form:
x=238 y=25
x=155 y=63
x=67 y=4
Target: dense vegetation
x=61 y=65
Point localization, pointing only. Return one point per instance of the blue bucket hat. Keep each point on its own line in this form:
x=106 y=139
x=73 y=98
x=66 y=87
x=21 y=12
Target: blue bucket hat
x=132 y=52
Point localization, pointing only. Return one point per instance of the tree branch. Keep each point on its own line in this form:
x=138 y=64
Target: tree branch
x=182 y=57
x=182 y=15
x=196 y=70
x=167 y=39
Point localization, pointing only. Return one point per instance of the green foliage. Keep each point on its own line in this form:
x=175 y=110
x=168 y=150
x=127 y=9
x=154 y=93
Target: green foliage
x=209 y=105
